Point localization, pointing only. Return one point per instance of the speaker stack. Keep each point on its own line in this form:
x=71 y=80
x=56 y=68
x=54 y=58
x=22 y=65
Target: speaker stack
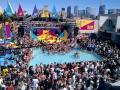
x=76 y=29
x=20 y=31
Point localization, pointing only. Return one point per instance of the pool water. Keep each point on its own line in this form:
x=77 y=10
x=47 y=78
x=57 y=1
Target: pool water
x=8 y=58
x=45 y=58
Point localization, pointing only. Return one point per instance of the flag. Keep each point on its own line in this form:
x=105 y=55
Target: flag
x=33 y=35
x=35 y=11
x=1 y=31
x=20 y=12
x=54 y=13
x=8 y=31
x=1 y=11
x=64 y=35
x=61 y=35
x=9 y=10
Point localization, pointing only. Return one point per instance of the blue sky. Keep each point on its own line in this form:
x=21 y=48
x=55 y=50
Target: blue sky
x=28 y=5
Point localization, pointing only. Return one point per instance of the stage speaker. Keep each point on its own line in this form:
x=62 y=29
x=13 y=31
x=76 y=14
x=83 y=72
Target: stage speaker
x=1 y=19
x=21 y=31
x=76 y=29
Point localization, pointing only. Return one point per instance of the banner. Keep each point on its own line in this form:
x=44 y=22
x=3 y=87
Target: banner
x=1 y=31
x=8 y=32
x=85 y=24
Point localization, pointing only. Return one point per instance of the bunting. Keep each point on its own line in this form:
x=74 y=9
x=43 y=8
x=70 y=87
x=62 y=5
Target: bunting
x=20 y=12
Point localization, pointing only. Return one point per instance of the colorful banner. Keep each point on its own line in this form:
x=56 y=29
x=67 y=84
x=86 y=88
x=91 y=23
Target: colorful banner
x=8 y=32
x=49 y=36
x=85 y=24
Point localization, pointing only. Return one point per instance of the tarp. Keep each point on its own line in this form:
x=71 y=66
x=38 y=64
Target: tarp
x=9 y=10
x=20 y=12
x=8 y=31
x=35 y=11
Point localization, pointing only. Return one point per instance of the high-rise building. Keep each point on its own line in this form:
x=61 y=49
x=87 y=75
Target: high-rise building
x=79 y=13
x=102 y=9
x=76 y=11
x=118 y=11
x=82 y=13
x=90 y=12
x=63 y=13
x=112 y=11
x=69 y=12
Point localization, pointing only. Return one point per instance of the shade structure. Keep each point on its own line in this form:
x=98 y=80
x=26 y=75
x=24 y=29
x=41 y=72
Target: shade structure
x=20 y=12
x=9 y=10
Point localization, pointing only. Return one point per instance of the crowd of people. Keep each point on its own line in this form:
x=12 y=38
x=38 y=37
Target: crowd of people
x=61 y=47
x=87 y=75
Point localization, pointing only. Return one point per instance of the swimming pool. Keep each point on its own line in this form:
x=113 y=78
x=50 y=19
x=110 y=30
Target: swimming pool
x=8 y=58
x=45 y=58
